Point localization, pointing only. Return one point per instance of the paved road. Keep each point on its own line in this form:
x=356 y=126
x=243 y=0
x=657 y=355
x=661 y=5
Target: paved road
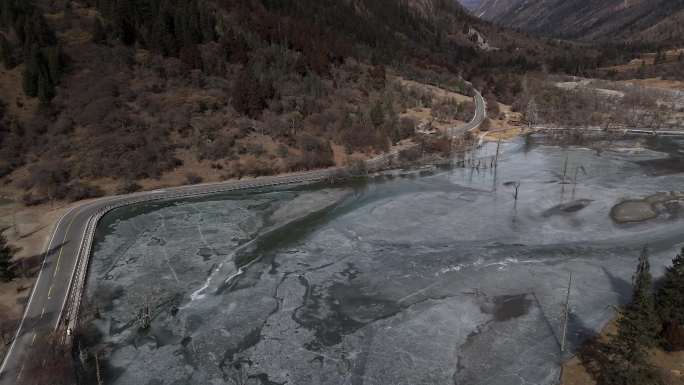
x=65 y=258
x=615 y=130
x=480 y=114
x=478 y=119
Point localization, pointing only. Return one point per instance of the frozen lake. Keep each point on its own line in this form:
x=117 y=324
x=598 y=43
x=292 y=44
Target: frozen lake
x=433 y=279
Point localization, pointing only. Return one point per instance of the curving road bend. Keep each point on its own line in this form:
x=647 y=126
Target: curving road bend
x=57 y=291
x=480 y=114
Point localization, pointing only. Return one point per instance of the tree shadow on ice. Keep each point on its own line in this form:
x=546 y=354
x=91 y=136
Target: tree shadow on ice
x=578 y=332
x=619 y=285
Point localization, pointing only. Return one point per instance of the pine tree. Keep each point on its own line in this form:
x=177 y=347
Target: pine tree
x=638 y=326
x=124 y=21
x=638 y=329
x=99 y=34
x=641 y=72
x=670 y=297
x=208 y=24
x=54 y=63
x=377 y=114
x=6 y=54
x=46 y=88
x=30 y=74
x=658 y=57
x=6 y=254
x=250 y=94
x=191 y=56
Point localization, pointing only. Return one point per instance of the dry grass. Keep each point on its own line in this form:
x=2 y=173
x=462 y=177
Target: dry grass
x=504 y=134
x=575 y=374
x=423 y=117
x=506 y=127
x=507 y=119
x=646 y=59
x=437 y=92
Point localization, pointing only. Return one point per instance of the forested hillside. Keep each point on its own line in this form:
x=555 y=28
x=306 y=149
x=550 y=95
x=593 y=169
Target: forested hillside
x=118 y=92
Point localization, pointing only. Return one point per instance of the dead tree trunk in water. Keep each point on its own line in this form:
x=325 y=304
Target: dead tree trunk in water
x=498 y=147
x=565 y=169
x=517 y=188
x=97 y=370
x=566 y=311
x=144 y=316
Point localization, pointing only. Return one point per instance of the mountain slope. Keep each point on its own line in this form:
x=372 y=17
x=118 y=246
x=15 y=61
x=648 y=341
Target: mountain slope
x=125 y=93
x=644 y=21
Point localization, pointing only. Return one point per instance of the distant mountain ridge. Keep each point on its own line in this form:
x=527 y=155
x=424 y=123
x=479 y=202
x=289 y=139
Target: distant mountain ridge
x=630 y=20
x=471 y=4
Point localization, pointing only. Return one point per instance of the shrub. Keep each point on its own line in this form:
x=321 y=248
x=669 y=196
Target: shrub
x=128 y=187
x=257 y=167
x=445 y=110
x=357 y=166
x=410 y=154
x=492 y=106
x=406 y=128
x=440 y=145
x=192 y=178
x=29 y=199
x=486 y=125
x=466 y=111
x=673 y=336
x=76 y=191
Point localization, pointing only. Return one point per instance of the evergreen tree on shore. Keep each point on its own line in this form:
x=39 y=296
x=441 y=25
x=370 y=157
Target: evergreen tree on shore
x=638 y=330
x=638 y=327
x=670 y=298
x=670 y=304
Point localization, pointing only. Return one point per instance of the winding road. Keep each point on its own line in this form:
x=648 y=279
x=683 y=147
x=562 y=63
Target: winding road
x=480 y=115
x=56 y=295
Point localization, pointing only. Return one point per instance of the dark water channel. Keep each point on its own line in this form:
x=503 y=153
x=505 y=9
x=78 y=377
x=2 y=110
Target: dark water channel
x=412 y=278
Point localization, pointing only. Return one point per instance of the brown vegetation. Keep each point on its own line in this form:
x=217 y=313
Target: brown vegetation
x=630 y=350
x=138 y=100
x=601 y=104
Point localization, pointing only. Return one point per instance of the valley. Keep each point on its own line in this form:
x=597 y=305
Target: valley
x=258 y=192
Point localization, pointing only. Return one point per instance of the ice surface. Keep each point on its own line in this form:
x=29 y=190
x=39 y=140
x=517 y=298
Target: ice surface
x=441 y=279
